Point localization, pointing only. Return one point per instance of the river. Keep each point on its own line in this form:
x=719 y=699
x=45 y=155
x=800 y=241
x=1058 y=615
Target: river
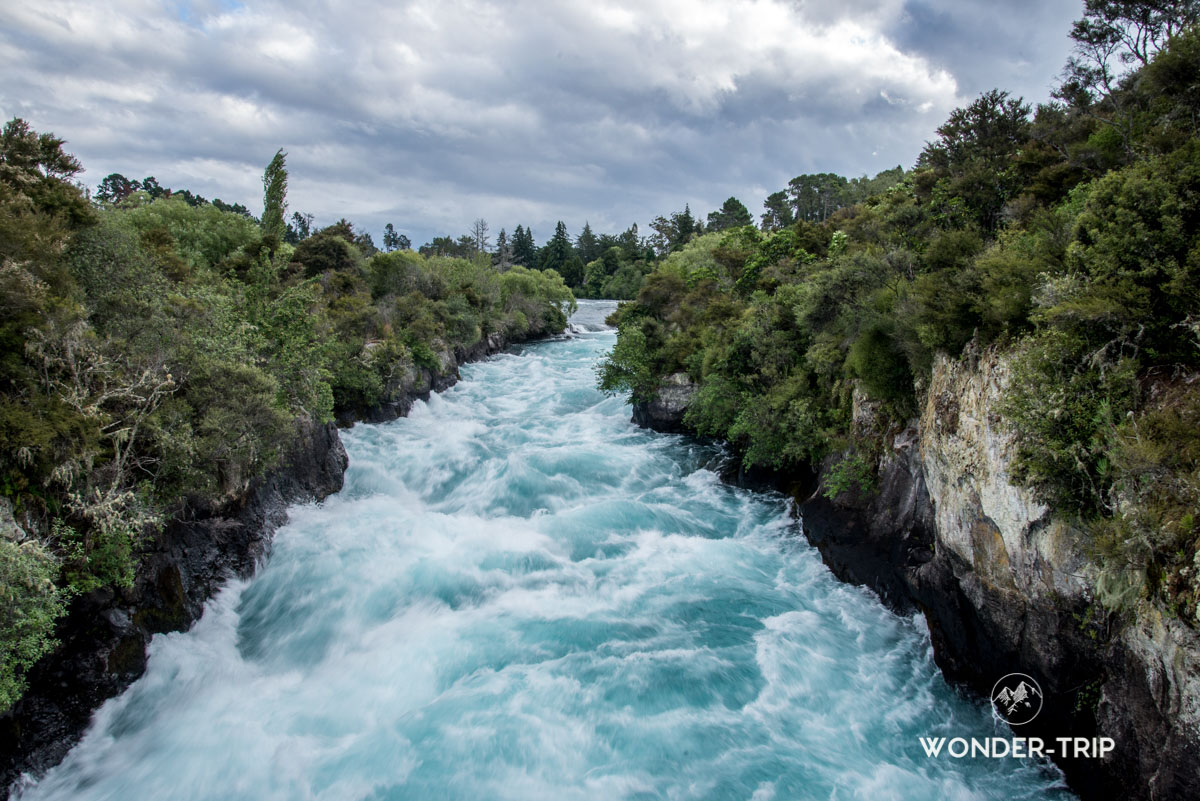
x=520 y=595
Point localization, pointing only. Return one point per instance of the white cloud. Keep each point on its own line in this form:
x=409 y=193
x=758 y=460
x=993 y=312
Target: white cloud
x=429 y=114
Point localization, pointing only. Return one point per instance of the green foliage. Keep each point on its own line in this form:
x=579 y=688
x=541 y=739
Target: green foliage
x=973 y=159
x=158 y=353
x=328 y=250
x=732 y=214
x=877 y=361
x=1063 y=399
x=30 y=604
x=1070 y=241
x=203 y=236
x=628 y=368
x=851 y=471
x=559 y=255
x=275 y=197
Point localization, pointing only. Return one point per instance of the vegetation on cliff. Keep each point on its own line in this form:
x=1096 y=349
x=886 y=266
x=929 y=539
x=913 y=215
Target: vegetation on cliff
x=1068 y=236
x=158 y=350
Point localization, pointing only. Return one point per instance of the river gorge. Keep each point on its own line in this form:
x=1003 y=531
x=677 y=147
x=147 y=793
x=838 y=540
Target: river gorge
x=519 y=594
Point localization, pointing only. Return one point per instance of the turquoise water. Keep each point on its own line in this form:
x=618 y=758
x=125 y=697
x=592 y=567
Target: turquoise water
x=520 y=595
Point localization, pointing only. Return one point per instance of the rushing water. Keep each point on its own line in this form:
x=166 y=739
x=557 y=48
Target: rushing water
x=520 y=595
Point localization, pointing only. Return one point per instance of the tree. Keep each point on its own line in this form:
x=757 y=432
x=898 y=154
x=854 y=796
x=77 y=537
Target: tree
x=115 y=188
x=1131 y=30
x=299 y=229
x=153 y=188
x=332 y=249
x=504 y=252
x=391 y=240
x=190 y=197
x=671 y=234
x=815 y=197
x=366 y=244
x=275 y=196
x=24 y=151
x=558 y=255
x=439 y=246
x=35 y=166
x=973 y=158
x=732 y=214
x=238 y=208
x=479 y=234
x=778 y=212
x=587 y=245
x=1112 y=36
x=524 y=249
x=631 y=243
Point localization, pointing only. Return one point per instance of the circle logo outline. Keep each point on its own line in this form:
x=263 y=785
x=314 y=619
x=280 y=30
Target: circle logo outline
x=1016 y=699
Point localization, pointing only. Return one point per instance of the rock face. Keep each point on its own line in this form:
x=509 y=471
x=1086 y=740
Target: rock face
x=1025 y=586
x=1006 y=587
x=103 y=637
x=665 y=412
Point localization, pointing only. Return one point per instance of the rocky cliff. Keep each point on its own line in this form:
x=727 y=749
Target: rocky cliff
x=1004 y=585
x=103 y=637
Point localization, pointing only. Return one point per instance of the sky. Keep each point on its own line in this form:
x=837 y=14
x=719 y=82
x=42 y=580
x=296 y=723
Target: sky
x=429 y=114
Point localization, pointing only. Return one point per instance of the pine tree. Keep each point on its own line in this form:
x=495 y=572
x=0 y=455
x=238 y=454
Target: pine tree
x=116 y=187
x=587 y=245
x=778 y=213
x=685 y=227
x=524 y=250
x=732 y=214
x=558 y=255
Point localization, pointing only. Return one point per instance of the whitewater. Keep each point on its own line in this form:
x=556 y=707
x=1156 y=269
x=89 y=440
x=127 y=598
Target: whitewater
x=521 y=595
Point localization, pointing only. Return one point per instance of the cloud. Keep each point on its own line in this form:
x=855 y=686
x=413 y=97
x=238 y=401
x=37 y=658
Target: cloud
x=429 y=114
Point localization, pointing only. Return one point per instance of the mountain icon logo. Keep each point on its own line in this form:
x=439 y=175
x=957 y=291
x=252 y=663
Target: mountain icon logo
x=1017 y=699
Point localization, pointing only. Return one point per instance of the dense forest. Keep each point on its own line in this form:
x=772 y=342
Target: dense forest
x=1066 y=237
x=614 y=266
x=159 y=350
x=611 y=266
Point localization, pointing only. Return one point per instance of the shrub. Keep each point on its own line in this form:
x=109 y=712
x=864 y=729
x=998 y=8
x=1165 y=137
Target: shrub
x=30 y=604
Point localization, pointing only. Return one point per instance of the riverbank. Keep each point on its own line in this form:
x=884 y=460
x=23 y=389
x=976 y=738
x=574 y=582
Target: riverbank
x=105 y=634
x=517 y=594
x=1002 y=583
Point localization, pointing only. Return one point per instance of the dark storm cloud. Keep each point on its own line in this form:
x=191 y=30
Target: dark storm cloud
x=430 y=114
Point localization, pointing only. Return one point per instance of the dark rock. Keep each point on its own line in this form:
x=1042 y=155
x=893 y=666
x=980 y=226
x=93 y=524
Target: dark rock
x=665 y=412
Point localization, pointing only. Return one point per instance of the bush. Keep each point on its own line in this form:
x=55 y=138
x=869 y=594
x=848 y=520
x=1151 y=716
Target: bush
x=30 y=604
x=850 y=471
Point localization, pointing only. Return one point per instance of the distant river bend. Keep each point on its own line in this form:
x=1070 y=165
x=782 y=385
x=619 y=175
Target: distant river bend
x=520 y=595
